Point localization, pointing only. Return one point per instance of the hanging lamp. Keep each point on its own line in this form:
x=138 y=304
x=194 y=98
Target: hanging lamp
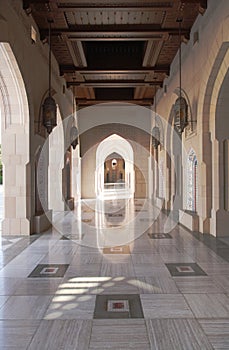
x=49 y=106
x=74 y=131
x=155 y=130
x=181 y=106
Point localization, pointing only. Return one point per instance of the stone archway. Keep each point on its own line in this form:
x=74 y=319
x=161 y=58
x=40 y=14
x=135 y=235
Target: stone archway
x=15 y=143
x=115 y=144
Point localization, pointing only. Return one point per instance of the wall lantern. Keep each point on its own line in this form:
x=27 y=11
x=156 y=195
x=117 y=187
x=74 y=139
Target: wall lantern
x=155 y=137
x=181 y=114
x=181 y=107
x=74 y=136
x=49 y=110
x=155 y=130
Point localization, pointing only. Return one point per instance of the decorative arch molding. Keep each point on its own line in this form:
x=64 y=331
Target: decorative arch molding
x=114 y=144
x=210 y=146
x=15 y=143
x=191 y=181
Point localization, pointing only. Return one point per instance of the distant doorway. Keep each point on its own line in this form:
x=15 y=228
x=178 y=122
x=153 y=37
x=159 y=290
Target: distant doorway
x=114 y=171
x=115 y=168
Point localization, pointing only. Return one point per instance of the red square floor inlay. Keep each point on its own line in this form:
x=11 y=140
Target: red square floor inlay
x=184 y=269
x=118 y=305
x=49 y=270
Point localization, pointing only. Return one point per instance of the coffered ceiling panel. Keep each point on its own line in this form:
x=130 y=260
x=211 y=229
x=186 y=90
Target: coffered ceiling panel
x=114 y=50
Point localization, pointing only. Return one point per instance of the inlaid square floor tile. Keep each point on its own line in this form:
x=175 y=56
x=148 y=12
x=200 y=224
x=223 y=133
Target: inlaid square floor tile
x=159 y=236
x=117 y=250
x=118 y=306
x=47 y=270
x=185 y=269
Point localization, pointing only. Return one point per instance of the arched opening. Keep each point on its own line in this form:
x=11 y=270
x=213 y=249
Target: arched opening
x=114 y=171
x=220 y=167
x=15 y=144
x=116 y=154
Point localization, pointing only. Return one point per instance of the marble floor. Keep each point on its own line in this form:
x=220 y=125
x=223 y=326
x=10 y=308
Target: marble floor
x=109 y=276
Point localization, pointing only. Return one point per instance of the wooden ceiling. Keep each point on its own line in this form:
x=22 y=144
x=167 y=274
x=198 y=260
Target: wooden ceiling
x=118 y=50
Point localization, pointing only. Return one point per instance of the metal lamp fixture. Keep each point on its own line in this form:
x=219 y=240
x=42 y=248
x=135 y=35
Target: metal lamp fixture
x=181 y=107
x=74 y=136
x=49 y=107
x=155 y=130
x=74 y=131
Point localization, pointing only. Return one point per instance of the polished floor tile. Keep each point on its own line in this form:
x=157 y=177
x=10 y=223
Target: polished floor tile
x=8 y=285
x=37 y=286
x=195 y=285
x=117 y=269
x=217 y=331
x=80 y=285
x=117 y=285
x=71 y=307
x=24 y=307
x=62 y=334
x=208 y=305
x=17 y=334
x=155 y=285
x=177 y=334
x=83 y=270
x=165 y=306
x=119 y=334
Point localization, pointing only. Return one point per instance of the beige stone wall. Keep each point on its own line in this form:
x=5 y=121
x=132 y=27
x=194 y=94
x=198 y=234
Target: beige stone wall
x=204 y=65
x=32 y=61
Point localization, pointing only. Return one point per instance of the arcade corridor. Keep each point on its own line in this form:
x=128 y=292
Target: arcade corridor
x=114 y=164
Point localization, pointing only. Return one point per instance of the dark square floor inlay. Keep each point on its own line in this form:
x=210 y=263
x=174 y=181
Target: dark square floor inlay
x=185 y=269
x=118 y=306
x=49 y=270
x=159 y=236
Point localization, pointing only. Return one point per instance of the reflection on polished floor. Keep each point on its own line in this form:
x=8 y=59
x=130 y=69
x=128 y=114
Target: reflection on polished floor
x=108 y=276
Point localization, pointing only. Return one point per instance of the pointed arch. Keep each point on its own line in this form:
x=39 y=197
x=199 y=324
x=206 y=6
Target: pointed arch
x=115 y=144
x=15 y=143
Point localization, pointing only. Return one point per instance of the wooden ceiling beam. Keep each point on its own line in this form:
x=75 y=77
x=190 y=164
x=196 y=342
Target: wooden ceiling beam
x=118 y=7
x=115 y=83
x=89 y=102
x=71 y=69
x=95 y=31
